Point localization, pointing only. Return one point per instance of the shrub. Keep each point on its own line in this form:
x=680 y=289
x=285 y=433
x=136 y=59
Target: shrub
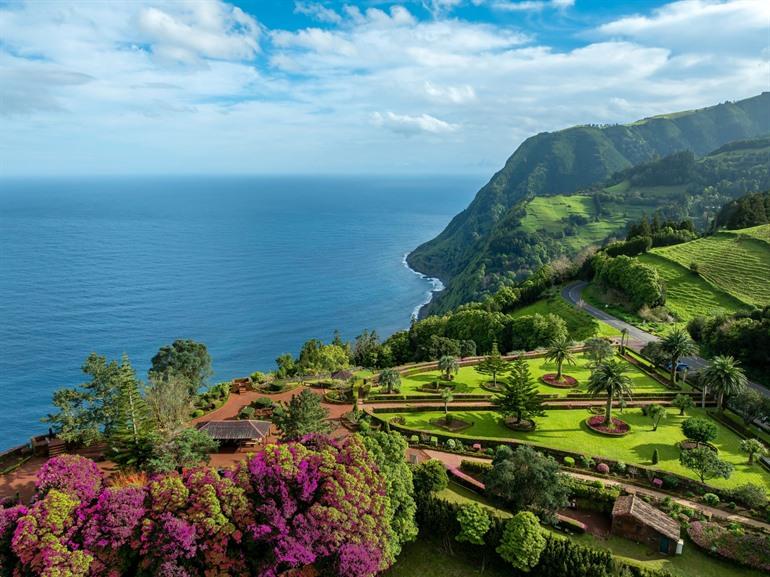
x=451 y=444
x=711 y=499
x=434 y=441
x=586 y=462
x=522 y=542
x=197 y=413
x=603 y=468
x=658 y=483
x=489 y=451
x=246 y=413
x=569 y=461
x=670 y=482
x=753 y=496
x=430 y=477
x=414 y=439
x=655 y=457
x=620 y=468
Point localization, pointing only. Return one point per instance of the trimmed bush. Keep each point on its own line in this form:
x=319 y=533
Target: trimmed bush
x=711 y=499
x=569 y=461
x=603 y=468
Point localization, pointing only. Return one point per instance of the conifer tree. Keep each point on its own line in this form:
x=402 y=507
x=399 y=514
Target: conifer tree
x=493 y=365
x=519 y=397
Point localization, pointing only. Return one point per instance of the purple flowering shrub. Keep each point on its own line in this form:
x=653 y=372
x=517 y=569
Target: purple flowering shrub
x=316 y=502
x=748 y=548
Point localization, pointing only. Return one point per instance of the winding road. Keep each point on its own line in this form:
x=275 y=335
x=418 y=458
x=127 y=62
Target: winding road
x=637 y=338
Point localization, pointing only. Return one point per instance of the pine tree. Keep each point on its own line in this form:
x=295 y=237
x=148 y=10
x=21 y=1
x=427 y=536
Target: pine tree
x=520 y=397
x=132 y=439
x=493 y=365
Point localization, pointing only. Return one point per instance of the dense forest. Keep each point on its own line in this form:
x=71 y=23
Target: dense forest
x=488 y=245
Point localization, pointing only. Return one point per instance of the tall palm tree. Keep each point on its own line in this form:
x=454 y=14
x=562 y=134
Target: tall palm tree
x=560 y=351
x=448 y=365
x=725 y=377
x=390 y=379
x=677 y=344
x=610 y=378
x=623 y=338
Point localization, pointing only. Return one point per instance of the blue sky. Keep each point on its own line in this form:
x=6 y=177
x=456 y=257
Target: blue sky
x=283 y=86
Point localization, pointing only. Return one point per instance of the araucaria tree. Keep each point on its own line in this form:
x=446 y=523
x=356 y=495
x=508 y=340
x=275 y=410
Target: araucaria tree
x=677 y=344
x=302 y=416
x=705 y=463
x=560 y=352
x=390 y=380
x=519 y=398
x=448 y=366
x=724 y=377
x=493 y=365
x=610 y=378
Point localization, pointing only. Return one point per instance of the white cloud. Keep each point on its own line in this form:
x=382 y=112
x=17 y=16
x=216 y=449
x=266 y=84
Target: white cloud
x=405 y=124
x=318 y=12
x=91 y=86
x=531 y=5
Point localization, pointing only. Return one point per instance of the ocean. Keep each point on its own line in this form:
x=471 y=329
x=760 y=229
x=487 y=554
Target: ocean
x=250 y=266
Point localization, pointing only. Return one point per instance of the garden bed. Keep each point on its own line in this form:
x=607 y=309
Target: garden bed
x=451 y=424
x=523 y=425
x=689 y=444
x=619 y=428
x=566 y=381
x=490 y=386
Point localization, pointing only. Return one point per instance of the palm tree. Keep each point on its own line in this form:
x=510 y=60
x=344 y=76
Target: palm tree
x=390 y=379
x=447 y=397
x=725 y=376
x=753 y=447
x=560 y=351
x=677 y=344
x=657 y=414
x=610 y=378
x=448 y=365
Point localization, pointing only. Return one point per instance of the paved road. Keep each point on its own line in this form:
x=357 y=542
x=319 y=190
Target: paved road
x=637 y=338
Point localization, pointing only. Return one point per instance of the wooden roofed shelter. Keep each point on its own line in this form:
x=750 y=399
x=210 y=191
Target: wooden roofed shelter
x=637 y=520
x=238 y=433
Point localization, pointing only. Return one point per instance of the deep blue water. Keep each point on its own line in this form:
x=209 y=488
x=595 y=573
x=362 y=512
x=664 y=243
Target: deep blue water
x=251 y=266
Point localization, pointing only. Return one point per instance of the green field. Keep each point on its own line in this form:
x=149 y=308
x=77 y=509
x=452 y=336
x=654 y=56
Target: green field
x=566 y=429
x=730 y=261
x=761 y=232
x=687 y=294
x=580 y=325
x=468 y=380
x=549 y=213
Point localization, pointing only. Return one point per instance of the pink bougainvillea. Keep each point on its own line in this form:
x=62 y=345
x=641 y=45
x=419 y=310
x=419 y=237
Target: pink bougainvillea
x=71 y=474
x=315 y=502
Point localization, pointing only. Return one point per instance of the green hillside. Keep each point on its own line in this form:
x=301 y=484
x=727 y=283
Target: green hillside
x=504 y=234
x=735 y=263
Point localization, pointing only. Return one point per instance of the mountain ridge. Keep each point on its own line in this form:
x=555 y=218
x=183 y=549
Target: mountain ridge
x=565 y=162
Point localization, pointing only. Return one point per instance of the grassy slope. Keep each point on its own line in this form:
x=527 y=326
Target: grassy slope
x=468 y=380
x=547 y=213
x=565 y=429
x=761 y=232
x=580 y=324
x=687 y=294
x=730 y=261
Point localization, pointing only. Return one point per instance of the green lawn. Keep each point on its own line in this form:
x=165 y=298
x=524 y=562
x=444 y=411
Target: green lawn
x=732 y=262
x=468 y=380
x=566 y=429
x=761 y=232
x=687 y=294
x=581 y=325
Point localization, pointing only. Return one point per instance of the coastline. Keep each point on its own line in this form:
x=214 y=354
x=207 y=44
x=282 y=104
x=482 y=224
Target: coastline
x=436 y=287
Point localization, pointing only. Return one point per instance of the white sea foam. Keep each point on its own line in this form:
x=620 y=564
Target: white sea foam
x=436 y=286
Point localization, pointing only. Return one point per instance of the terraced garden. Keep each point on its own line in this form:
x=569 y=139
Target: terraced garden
x=731 y=261
x=566 y=430
x=468 y=380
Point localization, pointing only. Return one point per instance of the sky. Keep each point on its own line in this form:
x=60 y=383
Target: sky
x=368 y=87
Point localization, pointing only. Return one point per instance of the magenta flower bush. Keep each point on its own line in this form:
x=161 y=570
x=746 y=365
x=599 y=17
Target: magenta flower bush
x=315 y=502
x=71 y=474
x=747 y=548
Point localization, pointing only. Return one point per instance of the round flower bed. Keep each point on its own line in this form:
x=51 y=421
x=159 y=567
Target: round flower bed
x=523 y=425
x=452 y=424
x=566 y=381
x=619 y=428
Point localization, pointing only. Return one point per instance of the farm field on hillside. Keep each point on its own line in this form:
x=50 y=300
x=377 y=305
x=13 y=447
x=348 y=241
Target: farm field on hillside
x=687 y=294
x=547 y=213
x=468 y=380
x=580 y=324
x=566 y=429
x=761 y=232
x=735 y=264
